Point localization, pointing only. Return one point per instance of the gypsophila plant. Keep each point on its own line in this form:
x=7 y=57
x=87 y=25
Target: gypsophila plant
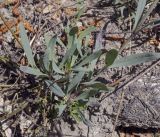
x=71 y=79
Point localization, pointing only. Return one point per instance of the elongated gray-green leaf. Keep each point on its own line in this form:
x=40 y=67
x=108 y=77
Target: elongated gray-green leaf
x=61 y=43
x=85 y=69
x=79 y=46
x=142 y=21
x=47 y=38
x=135 y=59
x=26 y=45
x=75 y=81
x=56 y=68
x=46 y=61
x=86 y=94
x=61 y=108
x=71 y=36
x=49 y=55
x=33 y=71
x=86 y=32
x=152 y=24
x=55 y=88
x=87 y=40
x=139 y=12
x=80 y=12
x=89 y=58
x=74 y=58
x=50 y=48
x=68 y=54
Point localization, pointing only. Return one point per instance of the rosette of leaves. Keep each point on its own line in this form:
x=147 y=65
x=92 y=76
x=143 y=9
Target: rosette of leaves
x=71 y=79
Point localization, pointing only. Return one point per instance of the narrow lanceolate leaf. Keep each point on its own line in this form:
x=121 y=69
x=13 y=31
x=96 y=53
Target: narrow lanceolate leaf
x=26 y=45
x=80 y=12
x=74 y=58
x=47 y=39
x=139 y=12
x=56 y=68
x=86 y=94
x=75 y=81
x=85 y=69
x=152 y=24
x=46 y=61
x=135 y=59
x=87 y=40
x=49 y=55
x=61 y=108
x=89 y=58
x=71 y=36
x=60 y=42
x=86 y=32
x=99 y=86
x=79 y=46
x=32 y=71
x=110 y=57
x=68 y=54
x=142 y=21
x=55 y=88
x=50 y=47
